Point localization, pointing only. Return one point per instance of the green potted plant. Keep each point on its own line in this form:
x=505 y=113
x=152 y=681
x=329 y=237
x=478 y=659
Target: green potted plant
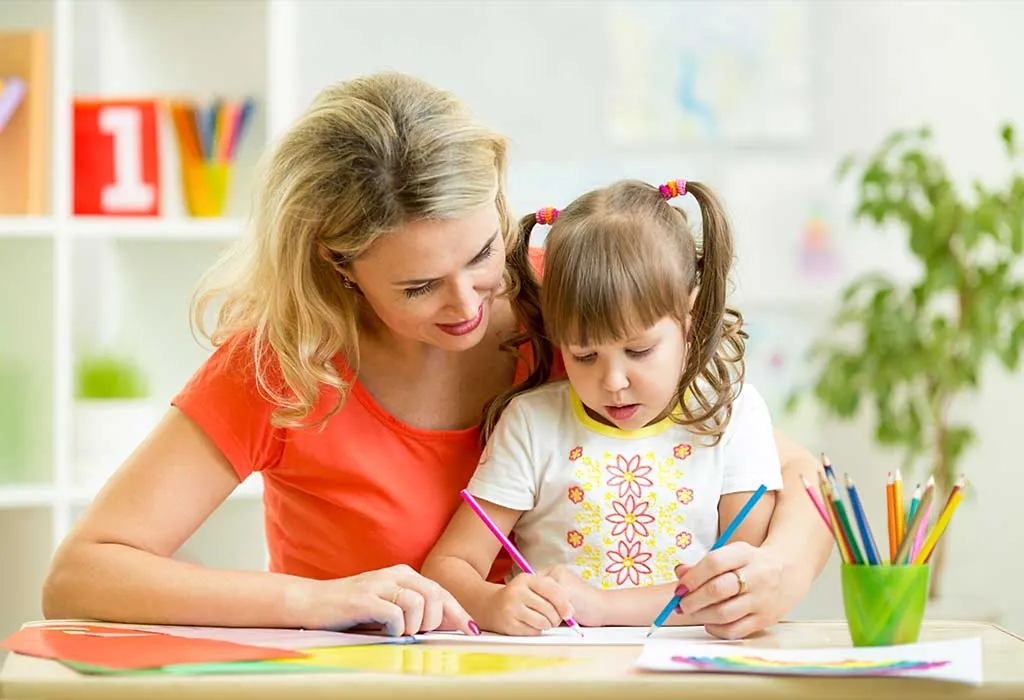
x=912 y=349
x=113 y=413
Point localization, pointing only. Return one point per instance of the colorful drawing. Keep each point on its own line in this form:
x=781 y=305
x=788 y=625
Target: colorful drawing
x=843 y=667
x=422 y=660
x=955 y=660
x=726 y=72
x=817 y=254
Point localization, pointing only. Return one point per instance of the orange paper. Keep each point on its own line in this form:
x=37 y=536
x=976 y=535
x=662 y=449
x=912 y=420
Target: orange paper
x=127 y=649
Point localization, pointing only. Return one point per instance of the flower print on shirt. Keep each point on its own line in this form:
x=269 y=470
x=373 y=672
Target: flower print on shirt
x=629 y=475
x=628 y=563
x=684 y=495
x=682 y=451
x=576 y=494
x=574 y=538
x=631 y=518
x=684 y=539
x=575 y=453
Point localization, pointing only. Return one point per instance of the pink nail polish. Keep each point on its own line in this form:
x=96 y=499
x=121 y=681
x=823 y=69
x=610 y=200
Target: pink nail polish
x=474 y=628
x=681 y=590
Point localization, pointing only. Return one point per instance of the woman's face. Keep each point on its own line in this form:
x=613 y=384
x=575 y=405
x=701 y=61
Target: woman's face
x=436 y=281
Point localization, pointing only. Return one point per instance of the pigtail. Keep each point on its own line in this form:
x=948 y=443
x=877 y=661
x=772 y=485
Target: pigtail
x=524 y=291
x=714 y=369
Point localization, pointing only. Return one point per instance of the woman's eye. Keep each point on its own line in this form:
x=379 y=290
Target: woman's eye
x=484 y=254
x=584 y=359
x=413 y=292
x=639 y=353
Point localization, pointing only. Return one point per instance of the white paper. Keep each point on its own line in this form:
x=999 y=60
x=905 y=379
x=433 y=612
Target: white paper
x=291 y=639
x=956 y=660
x=594 y=636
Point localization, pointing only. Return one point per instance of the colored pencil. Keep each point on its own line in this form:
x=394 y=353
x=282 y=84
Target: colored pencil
x=890 y=512
x=919 y=536
x=914 y=500
x=897 y=502
x=720 y=542
x=903 y=553
x=942 y=522
x=844 y=520
x=845 y=552
x=867 y=539
x=817 y=502
x=827 y=464
x=509 y=547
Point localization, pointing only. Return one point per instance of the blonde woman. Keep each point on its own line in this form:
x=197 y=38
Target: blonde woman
x=359 y=338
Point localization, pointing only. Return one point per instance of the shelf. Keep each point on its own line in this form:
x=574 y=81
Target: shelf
x=157 y=228
x=27 y=226
x=26 y=496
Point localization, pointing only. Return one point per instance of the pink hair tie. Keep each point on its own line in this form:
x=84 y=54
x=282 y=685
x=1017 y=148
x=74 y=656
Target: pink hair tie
x=673 y=188
x=547 y=216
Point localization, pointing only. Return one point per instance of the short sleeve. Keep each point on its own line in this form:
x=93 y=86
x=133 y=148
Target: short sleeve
x=751 y=457
x=507 y=474
x=224 y=400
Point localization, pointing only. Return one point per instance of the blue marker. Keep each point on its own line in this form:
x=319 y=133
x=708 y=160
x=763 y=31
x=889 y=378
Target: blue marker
x=722 y=539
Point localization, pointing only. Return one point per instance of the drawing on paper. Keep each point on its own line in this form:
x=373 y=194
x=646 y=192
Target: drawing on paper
x=723 y=72
x=839 y=667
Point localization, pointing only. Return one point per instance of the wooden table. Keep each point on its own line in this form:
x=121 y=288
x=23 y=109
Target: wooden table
x=596 y=673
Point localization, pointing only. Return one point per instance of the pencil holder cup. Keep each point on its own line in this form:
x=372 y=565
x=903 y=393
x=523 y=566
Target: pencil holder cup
x=884 y=604
x=206 y=187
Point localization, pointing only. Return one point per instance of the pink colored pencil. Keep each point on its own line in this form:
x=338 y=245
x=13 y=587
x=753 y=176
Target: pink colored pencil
x=817 y=502
x=509 y=547
x=919 y=537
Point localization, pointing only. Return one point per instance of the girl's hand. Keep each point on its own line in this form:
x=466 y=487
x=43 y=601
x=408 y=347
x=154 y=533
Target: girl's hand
x=400 y=600
x=528 y=605
x=585 y=599
x=735 y=591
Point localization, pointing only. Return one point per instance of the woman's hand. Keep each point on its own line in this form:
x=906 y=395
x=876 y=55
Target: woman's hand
x=397 y=598
x=737 y=590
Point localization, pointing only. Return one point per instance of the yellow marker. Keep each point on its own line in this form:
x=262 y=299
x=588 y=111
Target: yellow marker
x=941 y=523
x=897 y=497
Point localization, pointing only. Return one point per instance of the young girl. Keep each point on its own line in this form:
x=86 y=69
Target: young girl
x=612 y=478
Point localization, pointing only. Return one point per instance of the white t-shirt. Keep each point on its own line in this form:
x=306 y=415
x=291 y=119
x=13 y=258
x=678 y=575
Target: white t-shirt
x=619 y=508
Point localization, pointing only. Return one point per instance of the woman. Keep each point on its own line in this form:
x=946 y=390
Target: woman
x=359 y=340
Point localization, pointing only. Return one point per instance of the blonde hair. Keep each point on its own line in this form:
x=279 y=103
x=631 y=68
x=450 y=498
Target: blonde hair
x=618 y=260
x=369 y=155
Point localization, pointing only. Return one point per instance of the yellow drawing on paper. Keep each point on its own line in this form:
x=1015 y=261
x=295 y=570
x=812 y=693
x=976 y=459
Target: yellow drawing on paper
x=422 y=660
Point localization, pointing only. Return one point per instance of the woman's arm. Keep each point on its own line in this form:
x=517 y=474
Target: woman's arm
x=116 y=564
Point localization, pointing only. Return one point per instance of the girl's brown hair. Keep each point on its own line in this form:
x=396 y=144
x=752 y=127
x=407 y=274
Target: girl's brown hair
x=618 y=260
x=368 y=156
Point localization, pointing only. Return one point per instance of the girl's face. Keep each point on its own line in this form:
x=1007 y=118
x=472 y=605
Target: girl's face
x=631 y=383
x=435 y=281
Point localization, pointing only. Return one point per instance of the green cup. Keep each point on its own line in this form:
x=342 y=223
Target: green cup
x=884 y=604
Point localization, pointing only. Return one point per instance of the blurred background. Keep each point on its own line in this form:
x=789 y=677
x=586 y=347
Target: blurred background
x=130 y=130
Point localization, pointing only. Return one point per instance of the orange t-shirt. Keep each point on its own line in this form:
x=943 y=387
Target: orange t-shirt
x=365 y=492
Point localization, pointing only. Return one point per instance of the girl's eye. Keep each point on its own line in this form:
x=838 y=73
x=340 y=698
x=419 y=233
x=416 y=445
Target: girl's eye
x=413 y=292
x=637 y=354
x=584 y=359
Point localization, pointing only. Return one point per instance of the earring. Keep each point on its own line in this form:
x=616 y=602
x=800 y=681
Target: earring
x=347 y=283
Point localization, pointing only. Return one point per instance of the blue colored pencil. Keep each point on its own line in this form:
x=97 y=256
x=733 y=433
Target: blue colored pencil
x=913 y=504
x=867 y=539
x=720 y=542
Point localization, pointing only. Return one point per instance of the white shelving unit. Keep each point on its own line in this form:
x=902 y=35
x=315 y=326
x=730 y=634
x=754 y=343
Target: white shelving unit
x=56 y=298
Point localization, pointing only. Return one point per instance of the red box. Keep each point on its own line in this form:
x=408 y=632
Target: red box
x=117 y=158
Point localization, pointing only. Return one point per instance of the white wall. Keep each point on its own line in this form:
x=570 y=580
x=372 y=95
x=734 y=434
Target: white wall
x=876 y=66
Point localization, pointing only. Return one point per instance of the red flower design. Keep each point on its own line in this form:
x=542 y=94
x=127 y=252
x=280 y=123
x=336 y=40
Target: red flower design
x=684 y=495
x=682 y=451
x=575 y=453
x=684 y=539
x=629 y=475
x=574 y=538
x=628 y=562
x=631 y=518
x=576 y=494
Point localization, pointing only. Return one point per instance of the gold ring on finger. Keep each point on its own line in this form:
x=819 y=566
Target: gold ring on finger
x=741 y=580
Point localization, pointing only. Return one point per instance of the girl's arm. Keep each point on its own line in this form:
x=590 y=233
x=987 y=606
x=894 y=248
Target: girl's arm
x=631 y=607
x=463 y=556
